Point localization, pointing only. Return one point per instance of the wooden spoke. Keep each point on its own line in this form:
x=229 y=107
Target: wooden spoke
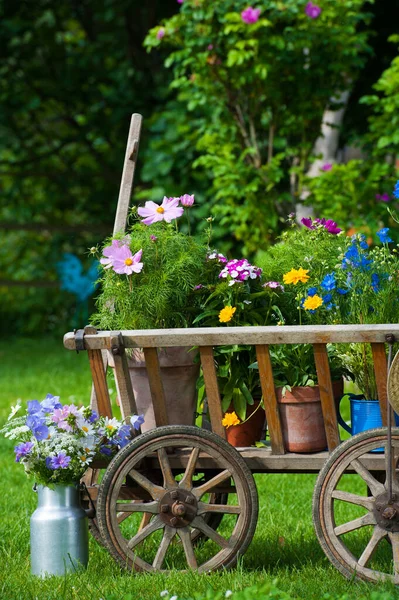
x=168 y=535
x=378 y=535
x=169 y=481
x=354 y=499
x=145 y=519
x=200 y=524
x=203 y=507
x=394 y=539
x=185 y=537
x=145 y=507
x=187 y=481
x=355 y=524
x=154 y=525
x=155 y=491
x=208 y=485
x=375 y=486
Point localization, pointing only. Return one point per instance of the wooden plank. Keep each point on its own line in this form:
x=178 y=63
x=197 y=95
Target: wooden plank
x=219 y=336
x=100 y=383
x=381 y=376
x=269 y=399
x=156 y=386
x=129 y=167
x=122 y=377
x=326 y=395
x=90 y=330
x=212 y=390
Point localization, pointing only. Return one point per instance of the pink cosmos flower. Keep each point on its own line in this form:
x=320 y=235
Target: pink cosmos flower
x=160 y=33
x=312 y=10
x=250 y=15
x=124 y=262
x=168 y=211
x=108 y=252
x=187 y=200
x=326 y=167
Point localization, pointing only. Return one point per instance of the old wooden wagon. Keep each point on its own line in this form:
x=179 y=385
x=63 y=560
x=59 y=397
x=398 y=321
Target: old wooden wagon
x=182 y=497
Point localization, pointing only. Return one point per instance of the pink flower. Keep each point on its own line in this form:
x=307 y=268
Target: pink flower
x=382 y=197
x=168 y=211
x=326 y=167
x=180 y=1
x=250 y=15
x=187 y=200
x=153 y=238
x=273 y=285
x=210 y=46
x=312 y=10
x=124 y=262
x=108 y=252
x=160 y=33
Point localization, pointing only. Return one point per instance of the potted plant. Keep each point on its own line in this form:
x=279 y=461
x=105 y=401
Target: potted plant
x=238 y=297
x=55 y=444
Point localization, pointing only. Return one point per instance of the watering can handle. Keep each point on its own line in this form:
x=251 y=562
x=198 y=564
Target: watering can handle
x=340 y=419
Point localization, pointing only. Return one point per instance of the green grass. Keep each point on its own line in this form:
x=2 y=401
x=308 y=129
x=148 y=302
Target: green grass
x=284 y=549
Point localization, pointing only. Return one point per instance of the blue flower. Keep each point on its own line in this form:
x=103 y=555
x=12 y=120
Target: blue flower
x=105 y=450
x=342 y=291
x=328 y=282
x=312 y=291
x=60 y=461
x=38 y=426
x=383 y=235
x=23 y=450
x=34 y=407
x=396 y=190
x=50 y=403
x=136 y=421
x=375 y=280
x=327 y=298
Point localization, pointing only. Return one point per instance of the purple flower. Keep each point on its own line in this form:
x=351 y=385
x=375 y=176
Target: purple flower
x=37 y=425
x=124 y=262
x=108 y=252
x=239 y=270
x=383 y=235
x=326 y=167
x=34 y=407
x=168 y=211
x=180 y=1
x=199 y=286
x=383 y=197
x=23 y=450
x=60 y=461
x=187 y=200
x=215 y=255
x=160 y=33
x=105 y=450
x=136 y=421
x=329 y=225
x=50 y=403
x=312 y=10
x=273 y=285
x=308 y=222
x=250 y=15
x=153 y=238
x=210 y=47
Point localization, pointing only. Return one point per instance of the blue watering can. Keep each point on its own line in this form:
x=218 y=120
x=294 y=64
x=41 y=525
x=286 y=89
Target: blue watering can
x=365 y=414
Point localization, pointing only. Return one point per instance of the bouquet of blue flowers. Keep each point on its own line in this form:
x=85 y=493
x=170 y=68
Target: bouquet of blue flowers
x=56 y=443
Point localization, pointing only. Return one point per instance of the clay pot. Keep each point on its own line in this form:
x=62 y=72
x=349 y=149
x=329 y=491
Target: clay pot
x=249 y=432
x=179 y=376
x=302 y=417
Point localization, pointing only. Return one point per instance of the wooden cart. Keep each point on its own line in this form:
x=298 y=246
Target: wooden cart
x=183 y=497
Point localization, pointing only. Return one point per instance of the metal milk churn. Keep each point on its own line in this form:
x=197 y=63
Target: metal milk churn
x=58 y=532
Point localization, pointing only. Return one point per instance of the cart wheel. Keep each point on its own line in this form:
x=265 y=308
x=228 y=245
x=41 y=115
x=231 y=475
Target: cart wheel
x=359 y=533
x=143 y=538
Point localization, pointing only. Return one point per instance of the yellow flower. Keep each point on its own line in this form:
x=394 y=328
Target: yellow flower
x=226 y=314
x=296 y=275
x=312 y=302
x=230 y=419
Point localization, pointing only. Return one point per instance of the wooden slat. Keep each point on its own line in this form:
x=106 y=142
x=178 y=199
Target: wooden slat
x=212 y=390
x=381 y=375
x=100 y=383
x=93 y=396
x=129 y=167
x=219 y=336
x=156 y=386
x=326 y=395
x=269 y=399
x=122 y=377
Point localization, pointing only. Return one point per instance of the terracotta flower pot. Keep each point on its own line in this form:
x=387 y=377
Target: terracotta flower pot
x=179 y=376
x=246 y=434
x=302 y=417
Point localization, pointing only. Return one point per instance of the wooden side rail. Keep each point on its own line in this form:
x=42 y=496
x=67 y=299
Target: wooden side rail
x=206 y=339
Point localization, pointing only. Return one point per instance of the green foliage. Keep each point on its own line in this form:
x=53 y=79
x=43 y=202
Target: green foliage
x=257 y=95
x=162 y=295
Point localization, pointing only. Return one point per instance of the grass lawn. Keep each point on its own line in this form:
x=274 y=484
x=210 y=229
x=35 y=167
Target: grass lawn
x=284 y=550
